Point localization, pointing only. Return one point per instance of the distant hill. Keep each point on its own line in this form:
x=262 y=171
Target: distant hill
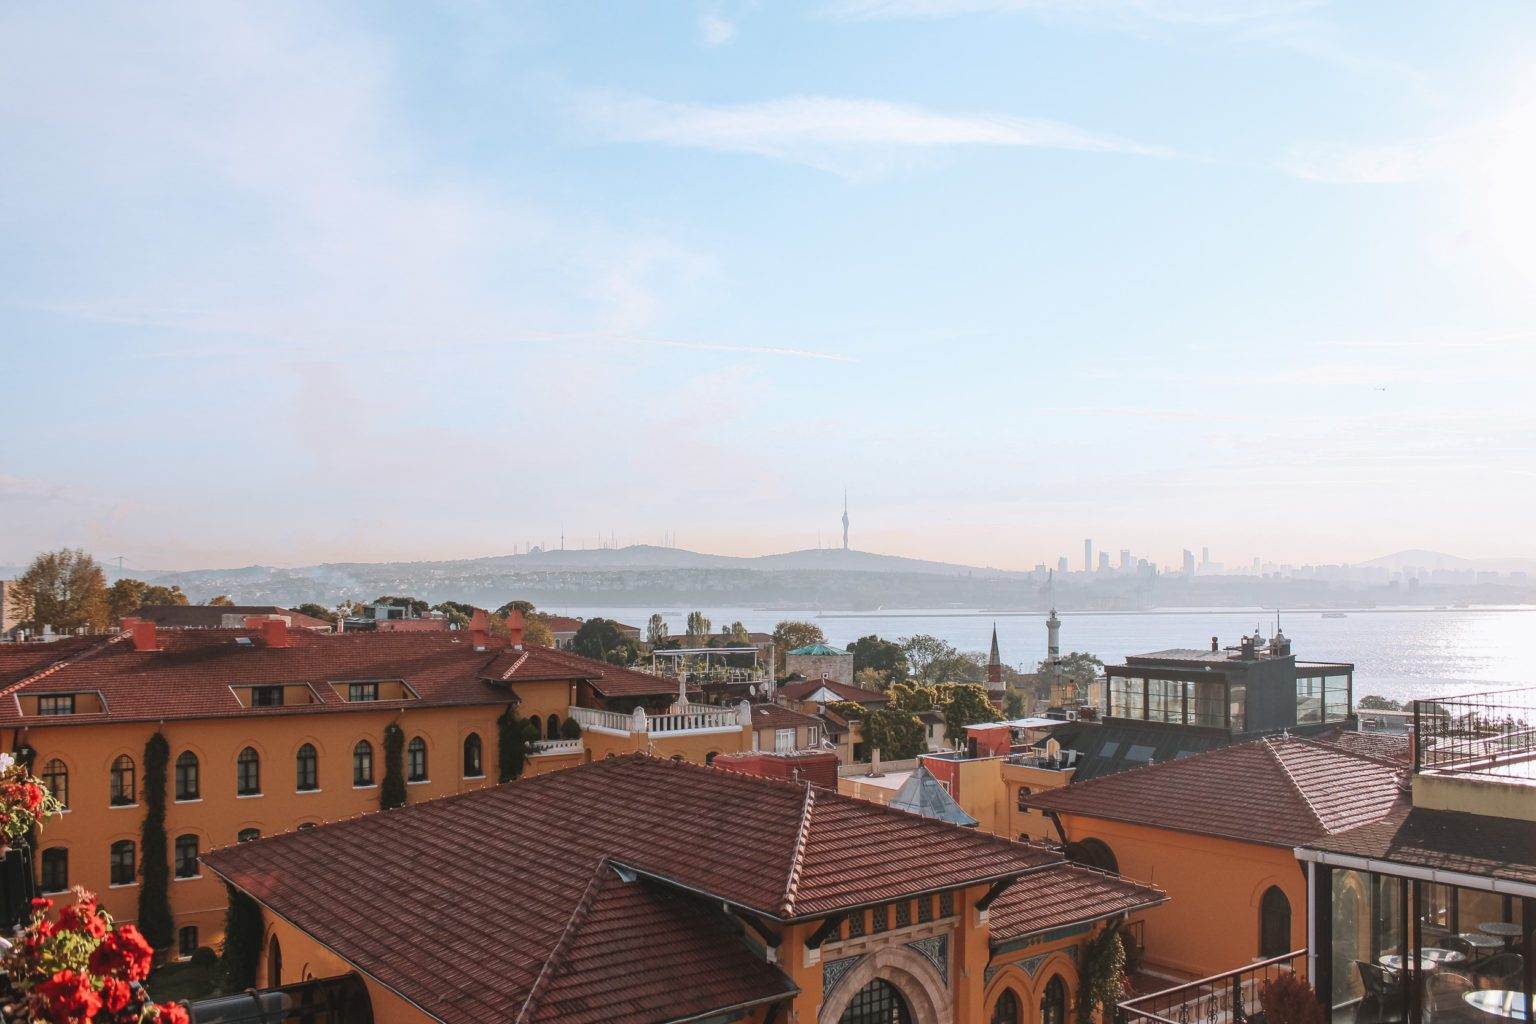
x=1419 y=558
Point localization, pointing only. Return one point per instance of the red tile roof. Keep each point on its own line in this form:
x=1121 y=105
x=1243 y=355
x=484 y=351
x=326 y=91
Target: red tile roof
x=775 y=716
x=1066 y=894
x=803 y=690
x=191 y=673
x=1421 y=837
x=461 y=904
x=211 y=616
x=1280 y=792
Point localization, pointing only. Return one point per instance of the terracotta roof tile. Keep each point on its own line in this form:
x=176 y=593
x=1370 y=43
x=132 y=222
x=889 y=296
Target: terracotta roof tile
x=776 y=716
x=389 y=892
x=803 y=690
x=1065 y=894
x=1474 y=844
x=1281 y=792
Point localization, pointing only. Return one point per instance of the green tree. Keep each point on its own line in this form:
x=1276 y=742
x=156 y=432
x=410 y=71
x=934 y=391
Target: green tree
x=244 y=930
x=967 y=704
x=154 y=918
x=656 y=630
x=457 y=613
x=1013 y=703
x=392 y=792
x=913 y=697
x=536 y=630
x=897 y=734
x=1077 y=670
x=128 y=595
x=883 y=656
x=602 y=640
x=222 y=601
x=1372 y=702
x=316 y=611
x=869 y=679
x=923 y=652
x=513 y=744
x=64 y=589
x=698 y=627
x=791 y=633
x=526 y=607
x=737 y=635
x=414 y=606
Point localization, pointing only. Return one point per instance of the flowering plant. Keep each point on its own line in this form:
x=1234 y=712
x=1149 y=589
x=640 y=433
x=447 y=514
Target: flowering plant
x=79 y=969
x=24 y=802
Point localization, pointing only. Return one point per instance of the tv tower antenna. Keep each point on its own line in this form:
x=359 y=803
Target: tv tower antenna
x=845 y=518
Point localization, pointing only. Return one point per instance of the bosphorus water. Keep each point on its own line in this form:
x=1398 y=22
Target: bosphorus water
x=1398 y=653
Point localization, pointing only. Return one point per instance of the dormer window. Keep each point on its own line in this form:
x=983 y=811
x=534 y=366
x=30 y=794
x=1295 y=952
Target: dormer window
x=266 y=696
x=56 y=704
x=362 y=692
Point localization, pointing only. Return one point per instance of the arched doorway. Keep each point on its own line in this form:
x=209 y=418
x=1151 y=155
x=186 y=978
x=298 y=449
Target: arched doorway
x=1006 y=1009
x=1274 y=923
x=877 y=1003
x=1053 y=1002
x=274 y=963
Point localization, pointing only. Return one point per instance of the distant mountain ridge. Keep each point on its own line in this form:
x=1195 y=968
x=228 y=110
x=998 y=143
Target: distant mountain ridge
x=1420 y=558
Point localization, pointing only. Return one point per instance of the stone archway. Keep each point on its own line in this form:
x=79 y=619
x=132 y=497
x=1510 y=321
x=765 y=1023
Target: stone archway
x=914 y=977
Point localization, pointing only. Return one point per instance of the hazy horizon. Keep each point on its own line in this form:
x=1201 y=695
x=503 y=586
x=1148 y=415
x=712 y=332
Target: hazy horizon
x=284 y=284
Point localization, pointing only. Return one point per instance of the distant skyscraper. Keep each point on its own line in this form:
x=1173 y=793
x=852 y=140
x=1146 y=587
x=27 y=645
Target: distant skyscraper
x=1061 y=565
x=1088 y=555
x=1103 y=561
x=845 y=519
x=1189 y=562
x=1125 y=558
x=1205 y=557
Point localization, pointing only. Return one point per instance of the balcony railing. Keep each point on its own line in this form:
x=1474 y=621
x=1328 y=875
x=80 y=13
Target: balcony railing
x=1229 y=998
x=1490 y=733
x=557 y=746
x=718 y=719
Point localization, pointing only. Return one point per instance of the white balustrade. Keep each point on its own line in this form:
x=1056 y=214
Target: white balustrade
x=557 y=746
x=696 y=717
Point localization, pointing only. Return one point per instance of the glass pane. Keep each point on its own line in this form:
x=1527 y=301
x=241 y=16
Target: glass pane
x=1367 y=927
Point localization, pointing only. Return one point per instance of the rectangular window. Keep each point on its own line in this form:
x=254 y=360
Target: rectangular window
x=362 y=691
x=124 y=863
x=186 y=941
x=55 y=870
x=856 y=924
x=266 y=696
x=186 y=857
x=882 y=918
x=903 y=914
x=56 y=704
x=924 y=909
x=946 y=904
x=784 y=740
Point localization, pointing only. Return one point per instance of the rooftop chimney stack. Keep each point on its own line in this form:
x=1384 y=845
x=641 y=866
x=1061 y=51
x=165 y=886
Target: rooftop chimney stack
x=1215 y=644
x=143 y=633
x=479 y=629
x=515 y=625
x=274 y=632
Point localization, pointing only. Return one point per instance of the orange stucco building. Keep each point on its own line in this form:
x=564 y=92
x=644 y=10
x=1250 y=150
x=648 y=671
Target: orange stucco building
x=664 y=891
x=272 y=729
x=1217 y=832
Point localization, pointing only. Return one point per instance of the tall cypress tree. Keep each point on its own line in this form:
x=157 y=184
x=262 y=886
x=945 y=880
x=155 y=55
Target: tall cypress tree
x=512 y=743
x=392 y=793
x=155 y=919
x=244 y=927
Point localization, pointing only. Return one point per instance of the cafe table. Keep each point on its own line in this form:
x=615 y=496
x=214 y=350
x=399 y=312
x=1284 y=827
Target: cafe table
x=1502 y=929
x=1499 y=1003
x=1431 y=958
x=1479 y=941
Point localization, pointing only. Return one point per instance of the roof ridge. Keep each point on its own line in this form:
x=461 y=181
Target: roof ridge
x=797 y=857
x=1338 y=748
x=1290 y=777
x=43 y=673
x=556 y=958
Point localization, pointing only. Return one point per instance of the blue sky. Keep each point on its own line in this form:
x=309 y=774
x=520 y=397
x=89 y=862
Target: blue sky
x=290 y=283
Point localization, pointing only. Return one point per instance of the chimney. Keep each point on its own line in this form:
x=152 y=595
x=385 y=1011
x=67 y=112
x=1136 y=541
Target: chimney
x=874 y=763
x=143 y=632
x=274 y=632
x=1215 y=644
x=515 y=628
x=479 y=629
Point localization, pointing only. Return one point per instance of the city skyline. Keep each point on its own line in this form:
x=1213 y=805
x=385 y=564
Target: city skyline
x=289 y=285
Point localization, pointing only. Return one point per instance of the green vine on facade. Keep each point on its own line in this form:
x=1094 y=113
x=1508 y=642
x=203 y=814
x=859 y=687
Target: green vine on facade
x=154 y=917
x=392 y=793
x=1103 y=980
x=512 y=745
x=244 y=929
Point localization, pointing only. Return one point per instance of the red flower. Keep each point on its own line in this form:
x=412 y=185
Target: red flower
x=41 y=904
x=67 y=997
x=115 y=994
x=83 y=916
x=124 y=953
x=172 y=1013
x=30 y=795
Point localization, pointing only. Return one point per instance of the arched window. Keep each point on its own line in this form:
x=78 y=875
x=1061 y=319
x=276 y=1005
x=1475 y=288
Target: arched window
x=1094 y=853
x=552 y=727
x=1024 y=792
x=187 y=785
x=474 y=763
x=1274 y=923
x=274 y=963
x=186 y=856
x=307 y=766
x=1006 y=1009
x=124 y=863
x=535 y=728
x=56 y=778
x=124 y=782
x=186 y=940
x=55 y=869
x=362 y=764
x=1053 y=1002
x=245 y=835
x=709 y=758
x=248 y=772
x=877 y=1003
x=416 y=760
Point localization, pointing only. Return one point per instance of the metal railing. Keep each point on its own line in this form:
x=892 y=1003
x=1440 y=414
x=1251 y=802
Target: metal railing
x=1483 y=733
x=1229 y=998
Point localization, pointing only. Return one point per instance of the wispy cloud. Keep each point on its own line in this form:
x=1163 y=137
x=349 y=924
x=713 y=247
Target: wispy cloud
x=851 y=137
x=1180 y=12
x=719 y=19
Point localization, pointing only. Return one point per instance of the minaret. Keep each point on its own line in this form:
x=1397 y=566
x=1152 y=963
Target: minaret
x=1052 y=638
x=845 y=519
x=994 y=663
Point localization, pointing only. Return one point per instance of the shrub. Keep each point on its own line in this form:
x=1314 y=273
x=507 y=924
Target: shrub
x=570 y=729
x=1287 y=999
x=204 y=956
x=512 y=743
x=392 y=793
x=244 y=928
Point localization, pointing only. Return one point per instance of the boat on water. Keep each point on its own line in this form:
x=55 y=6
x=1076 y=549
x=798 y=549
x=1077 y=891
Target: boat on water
x=1334 y=615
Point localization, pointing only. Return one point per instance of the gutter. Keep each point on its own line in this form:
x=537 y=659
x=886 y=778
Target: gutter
x=724 y=1010
x=1439 y=876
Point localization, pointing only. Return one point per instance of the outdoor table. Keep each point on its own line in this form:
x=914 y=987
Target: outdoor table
x=1431 y=958
x=1503 y=929
x=1477 y=940
x=1509 y=1005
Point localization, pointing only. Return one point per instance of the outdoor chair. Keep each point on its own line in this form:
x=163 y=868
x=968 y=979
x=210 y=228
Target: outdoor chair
x=1503 y=971
x=1383 y=1001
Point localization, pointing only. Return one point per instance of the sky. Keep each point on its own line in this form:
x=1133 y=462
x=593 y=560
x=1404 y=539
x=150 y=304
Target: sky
x=290 y=283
